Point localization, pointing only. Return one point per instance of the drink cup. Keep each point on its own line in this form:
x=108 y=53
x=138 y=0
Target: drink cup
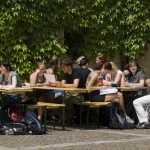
x=100 y=82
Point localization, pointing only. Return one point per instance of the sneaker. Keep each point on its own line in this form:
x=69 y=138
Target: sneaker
x=128 y=119
x=143 y=125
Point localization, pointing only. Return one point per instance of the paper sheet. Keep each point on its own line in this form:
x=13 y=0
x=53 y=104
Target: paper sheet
x=50 y=78
x=108 y=91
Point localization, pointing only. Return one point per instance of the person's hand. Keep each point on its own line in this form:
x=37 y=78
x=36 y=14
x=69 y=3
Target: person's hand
x=53 y=84
x=126 y=84
x=59 y=84
x=104 y=87
x=37 y=71
x=126 y=72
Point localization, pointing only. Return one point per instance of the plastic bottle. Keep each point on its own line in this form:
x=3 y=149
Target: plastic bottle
x=100 y=81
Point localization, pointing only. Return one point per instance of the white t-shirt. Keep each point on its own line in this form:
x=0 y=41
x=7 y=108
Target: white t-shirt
x=110 y=76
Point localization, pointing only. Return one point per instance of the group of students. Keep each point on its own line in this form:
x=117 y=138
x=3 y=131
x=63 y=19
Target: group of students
x=132 y=76
x=81 y=77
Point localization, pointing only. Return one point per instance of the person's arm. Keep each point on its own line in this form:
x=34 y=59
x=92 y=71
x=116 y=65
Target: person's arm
x=116 y=81
x=94 y=77
x=147 y=82
x=74 y=85
x=118 y=78
x=122 y=79
x=107 y=80
x=126 y=72
x=140 y=83
x=33 y=78
x=141 y=78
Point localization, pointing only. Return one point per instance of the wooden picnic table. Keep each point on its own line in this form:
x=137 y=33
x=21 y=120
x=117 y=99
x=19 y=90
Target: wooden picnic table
x=66 y=90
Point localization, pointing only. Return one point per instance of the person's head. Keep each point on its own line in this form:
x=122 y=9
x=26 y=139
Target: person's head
x=133 y=67
x=104 y=68
x=5 y=67
x=79 y=59
x=114 y=68
x=84 y=62
x=67 y=65
x=54 y=63
x=101 y=57
x=41 y=67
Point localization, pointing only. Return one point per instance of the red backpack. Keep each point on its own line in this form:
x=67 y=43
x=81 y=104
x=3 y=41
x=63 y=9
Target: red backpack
x=15 y=114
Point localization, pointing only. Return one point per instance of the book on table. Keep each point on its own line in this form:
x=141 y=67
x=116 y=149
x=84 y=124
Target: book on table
x=108 y=91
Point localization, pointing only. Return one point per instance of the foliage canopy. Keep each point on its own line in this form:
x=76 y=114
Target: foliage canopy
x=28 y=29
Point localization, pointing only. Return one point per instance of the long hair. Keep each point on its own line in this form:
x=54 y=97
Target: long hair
x=53 y=63
x=6 y=64
x=136 y=64
x=102 y=57
x=114 y=67
x=100 y=64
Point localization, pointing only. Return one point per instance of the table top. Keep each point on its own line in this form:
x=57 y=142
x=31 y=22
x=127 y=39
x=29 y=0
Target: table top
x=77 y=90
x=15 y=90
x=131 y=88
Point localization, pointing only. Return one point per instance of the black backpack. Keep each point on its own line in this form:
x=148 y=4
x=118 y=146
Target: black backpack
x=34 y=126
x=13 y=128
x=116 y=117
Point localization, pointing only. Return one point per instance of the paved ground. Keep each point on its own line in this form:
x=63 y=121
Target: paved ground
x=74 y=138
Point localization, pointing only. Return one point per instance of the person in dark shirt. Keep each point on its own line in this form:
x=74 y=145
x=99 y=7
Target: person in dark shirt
x=71 y=79
x=82 y=84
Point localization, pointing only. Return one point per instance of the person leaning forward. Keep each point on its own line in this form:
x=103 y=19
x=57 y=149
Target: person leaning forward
x=71 y=79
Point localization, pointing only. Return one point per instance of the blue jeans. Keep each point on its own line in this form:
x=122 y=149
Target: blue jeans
x=8 y=101
x=49 y=95
x=59 y=91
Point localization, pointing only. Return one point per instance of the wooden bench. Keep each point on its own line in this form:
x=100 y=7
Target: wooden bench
x=90 y=104
x=46 y=106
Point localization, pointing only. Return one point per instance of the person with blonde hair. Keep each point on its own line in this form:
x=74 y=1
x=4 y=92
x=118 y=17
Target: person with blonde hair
x=114 y=76
x=78 y=61
x=101 y=57
x=37 y=77
x=95 y=96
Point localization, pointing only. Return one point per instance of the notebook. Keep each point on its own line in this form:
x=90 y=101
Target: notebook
x=108 y=91
x=50 y=78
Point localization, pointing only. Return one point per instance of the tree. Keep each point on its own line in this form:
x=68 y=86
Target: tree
x=28 y=29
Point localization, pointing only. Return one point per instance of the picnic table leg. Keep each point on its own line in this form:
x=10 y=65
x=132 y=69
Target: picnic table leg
x=87 y=118
x=1 y=107
x=63 y=117
x=45 y=117
x=97 y=116
x=80 y=114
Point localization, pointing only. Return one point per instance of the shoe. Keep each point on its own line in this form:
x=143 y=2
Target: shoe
x=143 y=126
x=128 y=119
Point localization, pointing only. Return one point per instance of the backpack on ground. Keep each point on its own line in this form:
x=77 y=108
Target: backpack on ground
x=16 y=128
x=15 y=114
x=116 y=117
x=34 y=126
